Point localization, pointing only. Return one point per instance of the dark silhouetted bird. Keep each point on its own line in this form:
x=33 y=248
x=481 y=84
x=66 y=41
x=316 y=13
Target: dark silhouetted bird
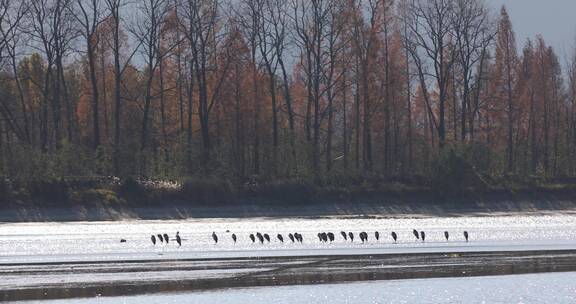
x=214 y=237
x=324 y=237
x=153 y=239
x=122 y=241
x=394 y=236
x=260 y=237
x=178 y=239
x=160 y=238
x=166 y=238
x=415 y=232
x=344 y=235
x=377 y=235
x=320 y=236
x=446 y=235
x=298 y=237
x=291 y=237
x=466 y=235
x=252 y=238
x=280 y=238
x=351 y=236
x=364 y=237
x=331 y=237
x=423 y=236
x=267 y=237
x=234 y=238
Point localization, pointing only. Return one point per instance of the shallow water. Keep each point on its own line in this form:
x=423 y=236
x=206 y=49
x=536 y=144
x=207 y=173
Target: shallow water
x=97 y=241
x=553 y=288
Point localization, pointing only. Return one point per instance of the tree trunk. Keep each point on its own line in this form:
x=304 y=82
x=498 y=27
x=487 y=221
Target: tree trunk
x=95 y=97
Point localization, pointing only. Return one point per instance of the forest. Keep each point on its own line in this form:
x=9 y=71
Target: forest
x=260 y=91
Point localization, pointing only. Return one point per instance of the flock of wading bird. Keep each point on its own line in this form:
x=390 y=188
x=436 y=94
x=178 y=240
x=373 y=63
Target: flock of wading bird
x=323 y=237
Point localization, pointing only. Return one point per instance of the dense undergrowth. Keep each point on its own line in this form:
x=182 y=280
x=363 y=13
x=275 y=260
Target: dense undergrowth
x=216 y=192
x=453 y=174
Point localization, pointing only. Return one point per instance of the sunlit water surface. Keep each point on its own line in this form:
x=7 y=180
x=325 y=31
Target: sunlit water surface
x=552 y=288
x=97 y=241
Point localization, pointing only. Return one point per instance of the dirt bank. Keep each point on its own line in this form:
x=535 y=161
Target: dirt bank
x=373 y=205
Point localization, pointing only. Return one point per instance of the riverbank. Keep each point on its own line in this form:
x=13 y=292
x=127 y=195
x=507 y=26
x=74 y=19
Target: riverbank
x=104 y=199
x=421 y=204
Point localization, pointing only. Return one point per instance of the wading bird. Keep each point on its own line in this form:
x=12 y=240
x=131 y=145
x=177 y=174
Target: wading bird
x=166 y=238
x=344 y=235
x=153 y=239
x=364 y=237
x=160 y=238
x=280 y=238
x=267 y=237
x=394 y=236
x=298 y=237
x=234 y=238
x=446 y=235
x=466 y=235
x=291 y=237
x=351 y=236
x=252 y=238
x=423 y=236
x=415 y=232
x=377 y=235
x=214 y=237
x=260 y=237
x=178 y=239
x=331 y=237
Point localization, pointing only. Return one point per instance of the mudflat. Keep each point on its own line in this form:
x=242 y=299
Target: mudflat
x=58 y=280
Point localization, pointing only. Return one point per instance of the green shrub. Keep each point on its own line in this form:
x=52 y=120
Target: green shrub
x=132 y=188
x=104 y=196
x=5 y=191
x=288 y=191
x=208 y=191
x=51 y=190
x=454 y=170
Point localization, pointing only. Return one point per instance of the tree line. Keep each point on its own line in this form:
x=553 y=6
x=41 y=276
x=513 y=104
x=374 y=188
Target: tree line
x=277 y=89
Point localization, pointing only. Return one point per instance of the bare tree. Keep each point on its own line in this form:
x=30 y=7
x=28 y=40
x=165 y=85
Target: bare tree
x=430 y=28
x=148 y=31
x=65 y=33
x=311 y=21
x=334 y=63
x=365 y=32
x=90 y=15
x=200 y=19
x=42 y=15
x=474 y=31
x=11 y=32
x=113 y=8
x=251 y=18
x=278 y=18
x=11 y=14
x=113 y=11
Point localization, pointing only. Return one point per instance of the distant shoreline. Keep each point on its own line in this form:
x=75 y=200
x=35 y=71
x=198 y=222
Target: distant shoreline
x=421 y=204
